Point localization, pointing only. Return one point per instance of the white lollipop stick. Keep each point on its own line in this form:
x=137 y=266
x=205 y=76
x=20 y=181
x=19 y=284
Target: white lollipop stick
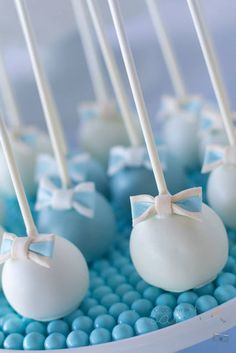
x=167 y=50
x=44 y=92
x=8 y=96
x=138 y=97
x=114 y=74
x=213 y=70
x=94 y=66
x=16 y=180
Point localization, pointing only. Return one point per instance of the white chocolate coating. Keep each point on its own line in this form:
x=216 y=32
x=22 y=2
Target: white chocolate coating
x=177 y=253
x=221 y=193
x=47 y=294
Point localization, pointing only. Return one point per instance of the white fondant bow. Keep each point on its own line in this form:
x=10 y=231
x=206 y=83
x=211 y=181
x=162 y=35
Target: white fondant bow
x=38 y=249
x=186 y=203
x=217 y=155
x=81 y=197
x=170 y=105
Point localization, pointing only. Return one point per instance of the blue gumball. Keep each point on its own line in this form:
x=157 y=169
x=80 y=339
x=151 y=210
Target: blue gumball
x=79 y=214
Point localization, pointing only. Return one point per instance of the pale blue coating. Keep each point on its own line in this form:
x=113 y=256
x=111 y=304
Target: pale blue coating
x=116 y=309
x=205 y=303
x=96 y=311
x=13 y=325
x=128 y=317
x=13 y=341
x=184 y=311
x=55 y=341
x=93 y=236
x=59 y=326
x=142 y=306
x=167 y=299
x=130 y=297
x=145 y=325
x=122 y=331
x=224 y=293
x=187 y=297
x=152 y=293
x=163 y=315
x=34 y=341
x=110 y=299
x=77 y=338
x=226 y=278
x=99 y=336
x=101 y=291
x=36 y=326
x=105 y=321
x=83 y=323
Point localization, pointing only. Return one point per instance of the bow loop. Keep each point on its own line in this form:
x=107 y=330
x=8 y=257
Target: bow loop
x=217 y=155
x=81 y=197
x=186 y=203
x=38 y=249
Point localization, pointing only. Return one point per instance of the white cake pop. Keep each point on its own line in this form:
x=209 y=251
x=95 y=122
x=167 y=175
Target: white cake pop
x=221 y=160
x=44 y=277
x=164 y=225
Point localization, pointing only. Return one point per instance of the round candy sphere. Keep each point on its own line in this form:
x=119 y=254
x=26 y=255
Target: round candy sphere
x=93 y=236
x=100 y=129
x=181 y=137
x=221 y=193
x=46 y=294
x=27 y=144
x=177 y=253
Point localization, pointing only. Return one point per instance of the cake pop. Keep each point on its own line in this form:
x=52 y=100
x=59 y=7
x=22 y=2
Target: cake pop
x=129 y=168
x=44 y=276
x=177 y=242
x=101 y=117
x=220 y=160
x=27 y=141
x=180 y=114
x=78 y=213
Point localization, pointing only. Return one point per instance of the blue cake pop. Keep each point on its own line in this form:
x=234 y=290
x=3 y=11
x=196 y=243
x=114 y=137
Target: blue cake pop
x=79 y=214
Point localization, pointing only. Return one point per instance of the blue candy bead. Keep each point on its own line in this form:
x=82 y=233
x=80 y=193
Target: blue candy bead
x=59 y=326
x=116 y=309
x=226 y=278
x=77 y=338
x=36 y=326
x=96 y=282
x=115 y=280
x=34 y=341
x=207 y=289
x=141 y=286
x=224 y=293
x=71 y=317
x=130 y=297
x=134 y=278
x=96 y=311
x=99 y=336
x=100 y=265
x=105 y=321
x=205 y=303
x=6 y=310
x=142 y=306
x=83 y=323
x=87 y=304
x=6 y=317
x=187 y=297
x=2 y=337
x=126 y=270
x=118 y=263
x=101 y=291
x=232 y=251
x=13 y=325
x=123 y=288
x=163 y=315
x=167 y=299
x=128 y=317
x=152 y=293
x=110 y=299
x=55 y=341
x=122 y=331
x=145 y=325
x=184 y=311
x=111 y=271
x=13 y=341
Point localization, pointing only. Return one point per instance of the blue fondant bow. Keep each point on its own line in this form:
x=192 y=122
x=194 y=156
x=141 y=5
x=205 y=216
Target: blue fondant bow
x=81 y=197
x=38 y=249
x=217 y=155
x=186 y=203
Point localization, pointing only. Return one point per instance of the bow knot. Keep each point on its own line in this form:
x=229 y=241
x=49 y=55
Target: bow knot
x=186 y=203
x=217 y=155
x=81 y=197
x=38 y=249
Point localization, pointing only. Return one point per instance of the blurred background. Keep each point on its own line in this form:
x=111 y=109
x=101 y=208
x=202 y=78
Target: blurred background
x=62 y=54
